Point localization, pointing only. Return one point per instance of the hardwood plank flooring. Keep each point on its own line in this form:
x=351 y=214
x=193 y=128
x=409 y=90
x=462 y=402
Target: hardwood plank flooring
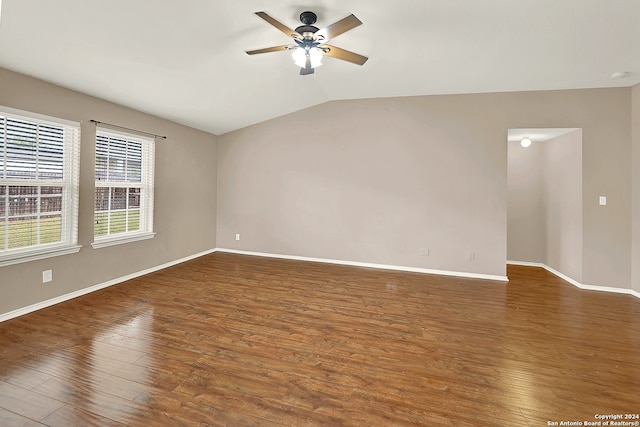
x=233 y=340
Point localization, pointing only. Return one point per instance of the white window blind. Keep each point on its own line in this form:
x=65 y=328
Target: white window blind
x=124 y=172
x=39 y=162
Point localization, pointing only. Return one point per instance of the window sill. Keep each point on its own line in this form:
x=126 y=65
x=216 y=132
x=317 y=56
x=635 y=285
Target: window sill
x=111 y=241
x=34 y=255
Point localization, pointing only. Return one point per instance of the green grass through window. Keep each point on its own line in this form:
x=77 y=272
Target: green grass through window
x=106 y=223
x=22 y=233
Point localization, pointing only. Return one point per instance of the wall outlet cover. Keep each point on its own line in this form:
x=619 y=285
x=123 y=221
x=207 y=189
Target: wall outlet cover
x=47 y=276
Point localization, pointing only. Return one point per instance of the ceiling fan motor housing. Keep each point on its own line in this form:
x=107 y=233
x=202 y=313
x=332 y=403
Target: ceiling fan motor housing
x=308 y=19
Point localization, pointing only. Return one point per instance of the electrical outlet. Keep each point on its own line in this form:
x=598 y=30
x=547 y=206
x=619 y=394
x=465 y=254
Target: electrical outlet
x=237 y=236
x=47 y=276
x=424 y=251
x=472 y=255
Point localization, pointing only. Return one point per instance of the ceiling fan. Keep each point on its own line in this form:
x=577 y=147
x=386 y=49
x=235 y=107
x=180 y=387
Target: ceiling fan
x=310 y=41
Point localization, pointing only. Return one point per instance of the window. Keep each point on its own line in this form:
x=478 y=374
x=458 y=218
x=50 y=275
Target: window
x=123 y=188
x=39 y=162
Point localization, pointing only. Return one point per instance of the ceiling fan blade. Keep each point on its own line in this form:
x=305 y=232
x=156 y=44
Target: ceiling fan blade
x=280 y=26
x=307 y=69
x=345 y=55
x=337 y=28
x=268 y=49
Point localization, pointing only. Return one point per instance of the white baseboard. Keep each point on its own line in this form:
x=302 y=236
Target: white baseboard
x=369 y=265
x=526 y=263
x=84 y=291
x=575 y=282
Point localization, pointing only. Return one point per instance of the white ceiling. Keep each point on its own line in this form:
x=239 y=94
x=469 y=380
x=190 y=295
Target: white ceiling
x=537 y=134
x=185 y=61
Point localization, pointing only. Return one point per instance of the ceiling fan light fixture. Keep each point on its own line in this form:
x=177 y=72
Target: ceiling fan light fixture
x=300 y=56
x=316 y=57
x=525 y=142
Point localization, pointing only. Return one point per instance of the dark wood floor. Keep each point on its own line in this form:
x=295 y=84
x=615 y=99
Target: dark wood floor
x=232 y=340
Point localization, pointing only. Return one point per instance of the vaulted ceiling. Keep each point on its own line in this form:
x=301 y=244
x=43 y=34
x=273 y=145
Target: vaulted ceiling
x=185 y=61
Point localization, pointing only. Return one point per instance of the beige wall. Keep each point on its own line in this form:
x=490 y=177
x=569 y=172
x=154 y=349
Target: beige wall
x=562 y=203
x=363 y=180
x=185 y=196
x=376 y=180
x=635 y=254
x=526 y=233
x=370 y=181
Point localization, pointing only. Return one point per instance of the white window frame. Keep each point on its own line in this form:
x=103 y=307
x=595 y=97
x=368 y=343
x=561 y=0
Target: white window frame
x=69 y=182
x=146 y=185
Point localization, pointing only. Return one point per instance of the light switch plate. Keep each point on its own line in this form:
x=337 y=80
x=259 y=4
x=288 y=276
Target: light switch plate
x=603 y=200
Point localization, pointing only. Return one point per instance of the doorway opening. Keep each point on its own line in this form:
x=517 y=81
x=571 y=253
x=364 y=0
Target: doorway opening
x=544 y=202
